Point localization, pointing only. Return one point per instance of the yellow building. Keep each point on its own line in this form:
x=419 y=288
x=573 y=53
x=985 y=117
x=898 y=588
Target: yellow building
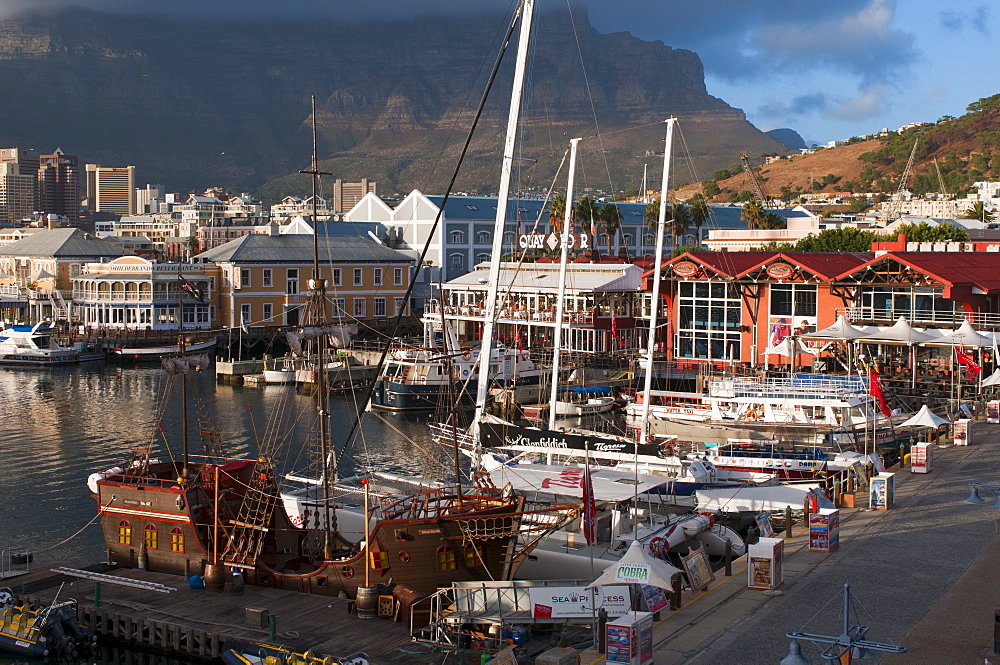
x=263 y=277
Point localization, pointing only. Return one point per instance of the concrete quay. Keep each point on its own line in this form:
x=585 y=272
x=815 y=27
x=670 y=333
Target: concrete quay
x=923 y=574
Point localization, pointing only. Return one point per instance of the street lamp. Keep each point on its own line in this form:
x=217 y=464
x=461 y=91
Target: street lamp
x=851 y=642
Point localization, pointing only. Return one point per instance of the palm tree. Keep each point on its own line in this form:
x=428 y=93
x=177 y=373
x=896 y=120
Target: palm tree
x=680 y=217
x=700 y=212
x=774 y=221
x=652 y=213
x=585 y=211
x=978 y=211
x=557 y=212
x=610 y=219
x=753 y=214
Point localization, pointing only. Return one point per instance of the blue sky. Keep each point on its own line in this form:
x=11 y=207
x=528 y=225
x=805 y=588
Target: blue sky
x=829 y=69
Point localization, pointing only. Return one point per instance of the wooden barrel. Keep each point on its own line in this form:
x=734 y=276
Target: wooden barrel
x=367 y=602
x=215 y=578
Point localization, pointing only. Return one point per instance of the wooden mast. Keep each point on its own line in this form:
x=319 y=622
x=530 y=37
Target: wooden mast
x=315 y=314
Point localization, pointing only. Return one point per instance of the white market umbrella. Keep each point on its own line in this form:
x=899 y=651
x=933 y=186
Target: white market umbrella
x=900 y=332
x=964 y=335
x=839 y=330
x=637 y=566
x=925 y=418
x=42 y=274
x=993 y=379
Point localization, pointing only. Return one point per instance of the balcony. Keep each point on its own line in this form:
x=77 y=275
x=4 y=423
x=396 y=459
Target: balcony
x=920 y=317
x=507 y=314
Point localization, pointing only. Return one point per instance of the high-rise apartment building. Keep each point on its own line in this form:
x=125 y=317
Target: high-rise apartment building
x=111 y=189
x=16 y=193
x=347 y=194
x=149 y=199
x=59 y=184
x=27 y=164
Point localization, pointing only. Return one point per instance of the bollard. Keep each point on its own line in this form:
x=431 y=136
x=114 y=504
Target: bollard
x=996 y=632
x=788 y=521
x=97 y=593
x=675 y=597
x=729 y=558
x=602 y=621
x=273 y=626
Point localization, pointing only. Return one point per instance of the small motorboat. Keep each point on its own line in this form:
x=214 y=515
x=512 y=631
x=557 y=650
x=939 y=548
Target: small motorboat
x=39 y=633
x=258 y=653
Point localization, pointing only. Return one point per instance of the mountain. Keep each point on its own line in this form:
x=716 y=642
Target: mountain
x=788 y=138
x=195 y=103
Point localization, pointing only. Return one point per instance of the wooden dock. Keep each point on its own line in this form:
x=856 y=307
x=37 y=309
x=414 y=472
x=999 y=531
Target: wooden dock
x=194 y=623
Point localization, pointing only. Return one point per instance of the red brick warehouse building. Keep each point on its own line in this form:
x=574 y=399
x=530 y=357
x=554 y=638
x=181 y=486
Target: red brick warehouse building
x=730 y=307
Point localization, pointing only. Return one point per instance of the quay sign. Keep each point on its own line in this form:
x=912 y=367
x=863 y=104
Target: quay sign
x=553 y=602
x=552 y=240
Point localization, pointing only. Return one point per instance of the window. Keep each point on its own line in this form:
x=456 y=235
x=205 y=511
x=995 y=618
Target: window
x=292 y=281
x=709 y=317
x=482 y=258
x=473 y=555
x=266 y=278
x=888 y=303
x=338 y=276
x=149 y=534
x=244 y=278
x=268 y=312
x=398 y=306
x=397 y=276
x=471 y=207
x=649 y=239
x=484 y=238
x=378 y=307
x=378 y=560
x=457 y=262
x=339 y=308
x=404 y=556
x=245 y=316
x=793 y=300
x=359 y=308
x=378 y=277
x=358 y=277
x=457 y=237
x=445 y=558
x=124 y=532
x=627 y=239
x=177 y=540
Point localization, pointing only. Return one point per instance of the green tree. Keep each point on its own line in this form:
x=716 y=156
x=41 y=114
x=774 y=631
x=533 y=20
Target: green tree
x=977 y=211
x=845 y=239
x=557 y=212
x=609 y=218
x=700 y=213
x=652 y=213
x=680 y=222
x=585 y=211
x=775 y=246
x=753 y=214
x=710 y=188
x=924 y=232
x=857 y=204
x=774 y=221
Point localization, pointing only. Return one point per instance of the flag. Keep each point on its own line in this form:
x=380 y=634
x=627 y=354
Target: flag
x=243 y=324
x=593 y=225
x=875 y=389
x=972 y=368
x=589 y=506
x=614 y=327
x=192 y=290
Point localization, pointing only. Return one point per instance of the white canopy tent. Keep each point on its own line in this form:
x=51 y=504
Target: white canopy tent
x=841 y=329
x=965 y=335
x=637 y=566
x=784 y=348
x=925 y=418
x=900 y=332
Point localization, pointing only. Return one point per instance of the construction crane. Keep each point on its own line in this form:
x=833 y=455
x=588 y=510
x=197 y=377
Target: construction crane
x=942 y=188
x=755 y=182
x=892 y=211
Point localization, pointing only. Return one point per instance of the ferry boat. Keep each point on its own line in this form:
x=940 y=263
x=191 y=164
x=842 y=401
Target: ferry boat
x=33 y=346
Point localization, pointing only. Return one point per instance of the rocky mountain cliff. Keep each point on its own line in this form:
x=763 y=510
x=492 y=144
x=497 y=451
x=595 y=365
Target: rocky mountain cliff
x=194 y=103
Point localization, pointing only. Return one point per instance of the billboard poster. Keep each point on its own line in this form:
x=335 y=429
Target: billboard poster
x=656 y=599
x=764 y=525
x=577 y=602
x=699 y=572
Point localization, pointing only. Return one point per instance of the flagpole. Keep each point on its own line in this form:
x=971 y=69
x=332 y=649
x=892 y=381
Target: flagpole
x=586 y=509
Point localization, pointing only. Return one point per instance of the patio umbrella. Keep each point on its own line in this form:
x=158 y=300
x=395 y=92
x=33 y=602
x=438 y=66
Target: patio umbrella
x=900 y=332
x=42 y=274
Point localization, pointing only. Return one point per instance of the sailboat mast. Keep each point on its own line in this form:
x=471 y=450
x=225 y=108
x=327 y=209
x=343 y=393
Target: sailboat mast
x=654 y=303
x=493 y=288
x=185 y=445
x=315 y=315
x=561 y=291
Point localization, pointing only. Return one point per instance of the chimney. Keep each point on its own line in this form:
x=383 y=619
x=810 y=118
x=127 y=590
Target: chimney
x=272 y=229
x=53 y=222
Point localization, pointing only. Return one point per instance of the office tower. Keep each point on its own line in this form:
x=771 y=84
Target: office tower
x=16 y=193
x=111 y=189
x=27 y=164
x=148 y=199
x=347 y=194
x=59 y=185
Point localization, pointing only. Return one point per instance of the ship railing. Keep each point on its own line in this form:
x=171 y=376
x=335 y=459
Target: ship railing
x=800 y=386
x=482 y=602
x=14 y=562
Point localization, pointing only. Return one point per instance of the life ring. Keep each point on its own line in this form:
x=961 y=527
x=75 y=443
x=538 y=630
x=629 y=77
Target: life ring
x=467 y=355
x=657 y=546
x=711 y=519
x=753 y=415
